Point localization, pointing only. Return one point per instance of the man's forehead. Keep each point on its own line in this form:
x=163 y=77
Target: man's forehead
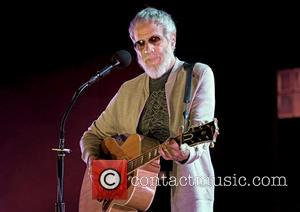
x=144 y=30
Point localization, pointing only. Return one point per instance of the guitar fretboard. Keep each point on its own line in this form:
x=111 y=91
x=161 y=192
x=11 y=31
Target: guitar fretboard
x=142 y=159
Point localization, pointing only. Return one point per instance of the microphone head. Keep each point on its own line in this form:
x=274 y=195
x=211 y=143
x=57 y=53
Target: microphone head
x=123 y=57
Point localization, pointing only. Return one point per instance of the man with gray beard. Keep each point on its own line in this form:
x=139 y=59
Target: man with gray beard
x=152 y=105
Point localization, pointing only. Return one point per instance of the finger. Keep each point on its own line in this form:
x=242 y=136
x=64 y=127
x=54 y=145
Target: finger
x=166 y=142
x=164 y=152
x=173 y=148
x=173 y=144
x=161 y=152
x=174 y=152
x=177 y=153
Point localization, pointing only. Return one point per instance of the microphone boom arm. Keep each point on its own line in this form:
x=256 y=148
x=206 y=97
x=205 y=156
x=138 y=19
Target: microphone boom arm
x=102 y=73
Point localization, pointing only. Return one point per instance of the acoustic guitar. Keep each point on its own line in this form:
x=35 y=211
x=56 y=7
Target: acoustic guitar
x=143 y=163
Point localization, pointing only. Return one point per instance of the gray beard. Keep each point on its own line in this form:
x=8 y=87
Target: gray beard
x=158 y=71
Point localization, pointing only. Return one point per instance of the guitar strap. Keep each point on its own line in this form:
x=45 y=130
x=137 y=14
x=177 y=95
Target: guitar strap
x=188 y=67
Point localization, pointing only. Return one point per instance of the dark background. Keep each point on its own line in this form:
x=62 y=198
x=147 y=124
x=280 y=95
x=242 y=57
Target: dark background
x=49 y=50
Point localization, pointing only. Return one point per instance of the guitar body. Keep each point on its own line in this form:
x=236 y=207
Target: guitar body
x=140 y=195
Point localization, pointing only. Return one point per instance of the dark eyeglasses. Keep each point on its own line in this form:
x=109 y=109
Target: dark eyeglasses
x=154 y=40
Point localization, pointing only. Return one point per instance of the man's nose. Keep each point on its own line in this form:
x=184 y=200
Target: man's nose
x=148 y=48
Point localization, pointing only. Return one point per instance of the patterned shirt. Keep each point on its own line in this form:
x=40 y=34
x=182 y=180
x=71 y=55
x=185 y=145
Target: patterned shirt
x=154 y=120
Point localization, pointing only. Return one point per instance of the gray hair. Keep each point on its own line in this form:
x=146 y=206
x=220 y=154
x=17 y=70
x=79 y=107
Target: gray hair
x=159 y=17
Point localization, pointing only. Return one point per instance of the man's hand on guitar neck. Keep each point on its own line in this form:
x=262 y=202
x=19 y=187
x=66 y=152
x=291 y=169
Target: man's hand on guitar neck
x=170 y=150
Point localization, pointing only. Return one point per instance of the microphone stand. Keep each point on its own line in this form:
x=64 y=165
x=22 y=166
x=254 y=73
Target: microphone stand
x=60 y=205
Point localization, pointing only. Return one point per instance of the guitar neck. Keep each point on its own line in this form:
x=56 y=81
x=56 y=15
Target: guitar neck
x=195 y=135
x=143 y=159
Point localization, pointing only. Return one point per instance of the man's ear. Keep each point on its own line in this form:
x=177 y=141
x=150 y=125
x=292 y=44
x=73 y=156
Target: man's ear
x=173 y=40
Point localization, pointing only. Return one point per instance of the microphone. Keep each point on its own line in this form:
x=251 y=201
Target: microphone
x=121 y=59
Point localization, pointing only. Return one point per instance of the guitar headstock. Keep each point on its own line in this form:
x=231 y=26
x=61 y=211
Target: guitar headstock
x=205 y=133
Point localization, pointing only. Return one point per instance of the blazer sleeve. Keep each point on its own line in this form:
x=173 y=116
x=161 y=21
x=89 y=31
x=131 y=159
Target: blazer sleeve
x=202 y=106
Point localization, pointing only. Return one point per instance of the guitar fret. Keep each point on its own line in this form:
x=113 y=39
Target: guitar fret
x=136 y=164
x=130 y=165
x=142 y=160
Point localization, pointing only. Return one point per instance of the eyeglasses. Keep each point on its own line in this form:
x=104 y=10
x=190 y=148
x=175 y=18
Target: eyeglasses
x=154 y=40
